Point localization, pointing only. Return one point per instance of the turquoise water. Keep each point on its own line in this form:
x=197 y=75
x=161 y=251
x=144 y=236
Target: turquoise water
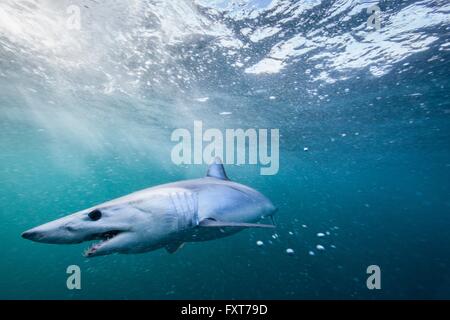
x=80 y=126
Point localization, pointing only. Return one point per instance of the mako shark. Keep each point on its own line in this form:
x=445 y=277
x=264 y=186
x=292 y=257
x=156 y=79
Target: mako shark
x=164 y=216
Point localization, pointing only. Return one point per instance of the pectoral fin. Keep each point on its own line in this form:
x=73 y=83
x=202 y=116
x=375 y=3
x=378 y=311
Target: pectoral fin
x=174 y=247
x=211 y=223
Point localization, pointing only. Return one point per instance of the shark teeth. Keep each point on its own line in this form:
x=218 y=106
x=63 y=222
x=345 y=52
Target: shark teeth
x=92 y=249
x=106 y=237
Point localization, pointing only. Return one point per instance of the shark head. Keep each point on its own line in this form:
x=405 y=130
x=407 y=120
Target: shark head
x=115 y=234
x=121 y=228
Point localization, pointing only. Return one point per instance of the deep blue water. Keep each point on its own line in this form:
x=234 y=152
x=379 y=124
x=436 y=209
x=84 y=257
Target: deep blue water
x=376 y=175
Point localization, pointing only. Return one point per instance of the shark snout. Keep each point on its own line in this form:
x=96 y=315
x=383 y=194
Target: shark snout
x=39 y=234
x=33 y=235
x=57 y=232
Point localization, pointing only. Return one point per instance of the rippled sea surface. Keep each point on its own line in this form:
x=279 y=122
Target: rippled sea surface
x=86 y=116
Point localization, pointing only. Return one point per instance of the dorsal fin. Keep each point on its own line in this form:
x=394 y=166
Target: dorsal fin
x=216 y=170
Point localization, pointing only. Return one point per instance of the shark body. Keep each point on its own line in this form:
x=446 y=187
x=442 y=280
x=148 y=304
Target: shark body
x=164 y=216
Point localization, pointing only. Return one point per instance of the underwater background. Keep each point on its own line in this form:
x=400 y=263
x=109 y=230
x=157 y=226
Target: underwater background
x=86 y=115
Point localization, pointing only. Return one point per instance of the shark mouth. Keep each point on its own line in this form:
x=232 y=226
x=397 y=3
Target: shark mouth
x=104 y=238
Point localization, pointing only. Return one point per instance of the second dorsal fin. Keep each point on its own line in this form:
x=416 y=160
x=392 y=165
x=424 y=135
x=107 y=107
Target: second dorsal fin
x=216 y=170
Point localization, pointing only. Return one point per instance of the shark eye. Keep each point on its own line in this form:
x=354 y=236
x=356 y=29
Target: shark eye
x=95 y=215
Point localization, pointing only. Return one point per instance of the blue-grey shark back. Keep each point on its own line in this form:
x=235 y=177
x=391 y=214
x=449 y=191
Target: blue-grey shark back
x=218 y=199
